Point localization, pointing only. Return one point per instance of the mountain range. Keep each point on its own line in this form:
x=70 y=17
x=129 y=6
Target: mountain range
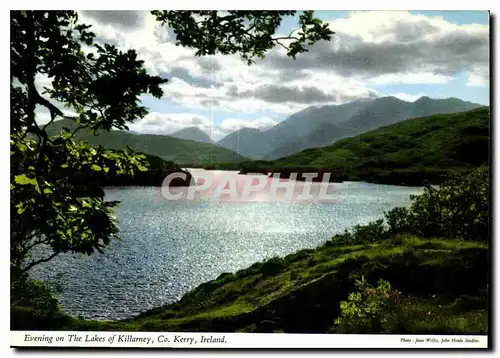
x=405 y=153
x=181 y=151
x=310 y=128
x=321 y=126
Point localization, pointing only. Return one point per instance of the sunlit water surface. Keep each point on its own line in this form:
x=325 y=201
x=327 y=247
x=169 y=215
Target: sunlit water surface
x=170 y=247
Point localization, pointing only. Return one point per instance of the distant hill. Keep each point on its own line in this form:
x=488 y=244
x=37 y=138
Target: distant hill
x=247 y=140
x=192 y=133
x=405 y=153
x=90 y=183
x=320 y=126
x=181 y=151
x=338 y=123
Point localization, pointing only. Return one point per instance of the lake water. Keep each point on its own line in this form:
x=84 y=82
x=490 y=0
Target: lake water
x=170 y=247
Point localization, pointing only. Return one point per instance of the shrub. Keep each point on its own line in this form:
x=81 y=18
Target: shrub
x=273 y=266
x=343 y=239
x=34 y=306
x=299 y=255
x=225 y=276
x=372 y=232
x=39 y=295
x=368 y=309
x=398 y=221
x=458 y=208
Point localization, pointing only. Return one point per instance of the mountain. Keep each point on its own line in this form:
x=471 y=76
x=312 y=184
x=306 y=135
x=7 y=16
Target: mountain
x=247 y=140
x=258 y=144
x=192 y=133
x=410 y=152
x=406 y=153
x=323 y=125
x=365 y=116
x=181 y=151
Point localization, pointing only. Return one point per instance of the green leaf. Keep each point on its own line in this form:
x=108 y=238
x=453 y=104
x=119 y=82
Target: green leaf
x=24 y=180
x=96 y=167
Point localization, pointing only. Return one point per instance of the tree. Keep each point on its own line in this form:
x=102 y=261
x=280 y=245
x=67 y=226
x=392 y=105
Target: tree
x=458 y=208
x=247 y=33
x=102 y=86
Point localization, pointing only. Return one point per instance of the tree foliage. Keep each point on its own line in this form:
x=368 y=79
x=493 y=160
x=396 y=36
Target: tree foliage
x=247 y=33
x=459 y=208
x=102 y=85
x=368 y=309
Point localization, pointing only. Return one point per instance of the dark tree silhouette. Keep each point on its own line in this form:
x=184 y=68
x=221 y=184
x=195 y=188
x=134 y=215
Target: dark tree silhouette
x=247 y=33
x=102 y=85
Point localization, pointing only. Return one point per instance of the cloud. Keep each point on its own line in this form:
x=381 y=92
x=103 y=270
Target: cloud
x=372 y=44
x=127 y=19
x=162 y=123
x=479 y=76
x=369 y=48
x=306 y=94
x=406 y=96
x=42 y=115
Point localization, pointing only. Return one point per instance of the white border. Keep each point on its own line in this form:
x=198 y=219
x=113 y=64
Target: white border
x=240 y=340
x=190 y=4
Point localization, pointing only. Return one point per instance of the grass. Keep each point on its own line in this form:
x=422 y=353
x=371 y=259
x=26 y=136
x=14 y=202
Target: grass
x=443 y=285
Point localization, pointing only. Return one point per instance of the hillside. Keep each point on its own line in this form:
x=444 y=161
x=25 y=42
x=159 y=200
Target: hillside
x=258 y=144
x=180 y=151
x=406 y=153
x=362 y=117
x=320 y=126
x=250 y=141
x=157 y=170
x=192 y=133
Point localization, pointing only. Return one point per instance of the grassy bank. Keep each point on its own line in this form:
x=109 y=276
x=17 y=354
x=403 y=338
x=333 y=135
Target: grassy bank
x=420 y=272
x=443 y=285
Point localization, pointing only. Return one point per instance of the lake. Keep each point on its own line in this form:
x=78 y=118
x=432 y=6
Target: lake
x=169 y=247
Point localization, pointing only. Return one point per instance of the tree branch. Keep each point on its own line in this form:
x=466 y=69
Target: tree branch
x=282 y=45
x=34 y=263
x=28 y=248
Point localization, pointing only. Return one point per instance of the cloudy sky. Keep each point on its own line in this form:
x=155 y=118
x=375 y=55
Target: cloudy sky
x=404 y=54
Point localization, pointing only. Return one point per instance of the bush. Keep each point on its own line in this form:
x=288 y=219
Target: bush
x=398 y=220
x=459 y=208
x=225 y=276
x=368 y=309
x=39 y=295
x=343 y=239
x=372 y=232
x=272 y=266
x=362 y=234
x=34 y=307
